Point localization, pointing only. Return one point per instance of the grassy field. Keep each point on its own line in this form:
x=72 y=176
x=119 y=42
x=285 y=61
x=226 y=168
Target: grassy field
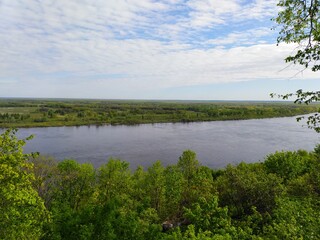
x=18 y=110
x=74 y=112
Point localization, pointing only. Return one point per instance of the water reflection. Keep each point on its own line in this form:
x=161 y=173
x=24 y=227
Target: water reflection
x=216 y=143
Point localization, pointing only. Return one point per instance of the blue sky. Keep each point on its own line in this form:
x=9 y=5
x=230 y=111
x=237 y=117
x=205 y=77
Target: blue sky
x=144 y=49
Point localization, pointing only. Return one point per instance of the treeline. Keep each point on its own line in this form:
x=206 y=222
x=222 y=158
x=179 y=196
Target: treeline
x=13 y=117
x=31 y=113
x=41 y=198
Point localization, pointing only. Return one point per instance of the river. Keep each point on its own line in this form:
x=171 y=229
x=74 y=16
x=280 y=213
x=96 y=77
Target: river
x=216 y=143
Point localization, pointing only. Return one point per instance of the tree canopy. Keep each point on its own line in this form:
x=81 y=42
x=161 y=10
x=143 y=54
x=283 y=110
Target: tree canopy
x=22 y=210
x=41 y=198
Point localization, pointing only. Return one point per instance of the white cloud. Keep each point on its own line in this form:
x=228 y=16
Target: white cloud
x=212 y=15
x=205 y=13
x=249 y=37
x=138 y=44
x=259 y=9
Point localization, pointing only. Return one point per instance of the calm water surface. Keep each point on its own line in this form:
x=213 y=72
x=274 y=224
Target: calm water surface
x=216 y=143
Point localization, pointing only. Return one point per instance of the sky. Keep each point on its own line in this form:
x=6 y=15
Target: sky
x=145 y=49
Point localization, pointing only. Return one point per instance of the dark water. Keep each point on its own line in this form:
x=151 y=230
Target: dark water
x=216 y=143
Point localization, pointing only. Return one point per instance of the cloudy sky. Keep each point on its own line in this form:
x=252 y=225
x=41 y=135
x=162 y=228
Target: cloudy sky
x=144 y=49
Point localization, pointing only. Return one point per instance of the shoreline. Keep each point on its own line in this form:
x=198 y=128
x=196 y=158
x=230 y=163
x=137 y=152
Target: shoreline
x=45 y=113
x=44 y=125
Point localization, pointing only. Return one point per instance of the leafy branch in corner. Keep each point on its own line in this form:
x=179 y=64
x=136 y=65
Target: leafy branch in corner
x=307 y=97
x=299 y=22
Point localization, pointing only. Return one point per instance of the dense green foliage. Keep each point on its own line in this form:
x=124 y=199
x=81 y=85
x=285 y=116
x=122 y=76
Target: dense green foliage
x=274 y=199
x=22 y=211
x=31 y=113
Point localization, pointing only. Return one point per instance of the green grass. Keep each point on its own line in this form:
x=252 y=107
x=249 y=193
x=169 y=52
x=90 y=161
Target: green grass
x=18 y=110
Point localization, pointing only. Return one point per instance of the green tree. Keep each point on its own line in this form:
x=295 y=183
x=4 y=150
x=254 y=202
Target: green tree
x=246 y=186
x=46 y=177
x=174 y=187
x=22 y=210
x=114 y=180
x=72 y=193
x=316 y=152
x=76 y=183
x=288 y=165
x=155 y=185
x=140 y=192
x=188 y=165
x=208 y=216
x=299 y=24
x=296 y=218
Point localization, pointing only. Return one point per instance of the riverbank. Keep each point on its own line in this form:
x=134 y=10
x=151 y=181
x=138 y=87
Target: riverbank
x=54 y=113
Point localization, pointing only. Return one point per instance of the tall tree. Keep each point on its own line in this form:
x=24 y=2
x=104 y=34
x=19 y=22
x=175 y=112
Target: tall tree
x=22 y=210
x=299 y=24
x=155 y=185
x=114 y=180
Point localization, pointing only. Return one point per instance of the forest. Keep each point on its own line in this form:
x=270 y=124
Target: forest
x=276 y=198
x=41 y=198
x=73 y=112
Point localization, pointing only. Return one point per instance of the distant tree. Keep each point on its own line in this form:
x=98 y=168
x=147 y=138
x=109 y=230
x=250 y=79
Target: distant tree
x=299 y=24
